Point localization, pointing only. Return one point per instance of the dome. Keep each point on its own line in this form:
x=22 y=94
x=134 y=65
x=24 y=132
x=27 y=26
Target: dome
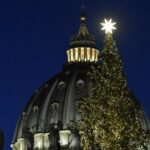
x=52 y=108
x=53 y=105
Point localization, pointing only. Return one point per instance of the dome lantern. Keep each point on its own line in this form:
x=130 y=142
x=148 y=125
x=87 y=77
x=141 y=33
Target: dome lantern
x=83 y=45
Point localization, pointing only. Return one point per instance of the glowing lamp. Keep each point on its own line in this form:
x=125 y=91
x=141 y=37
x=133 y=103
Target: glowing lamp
x=83 y=18
x=64 y=138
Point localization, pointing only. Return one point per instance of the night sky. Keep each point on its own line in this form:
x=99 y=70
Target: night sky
x=34 y=37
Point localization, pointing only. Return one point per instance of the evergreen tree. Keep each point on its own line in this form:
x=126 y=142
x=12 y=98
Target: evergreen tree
x=109 y=117
x=122 y=113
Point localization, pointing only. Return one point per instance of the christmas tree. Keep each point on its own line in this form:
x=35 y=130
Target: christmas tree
x=109 y=117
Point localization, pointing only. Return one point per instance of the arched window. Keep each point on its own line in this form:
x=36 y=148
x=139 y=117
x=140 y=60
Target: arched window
x=54 y=113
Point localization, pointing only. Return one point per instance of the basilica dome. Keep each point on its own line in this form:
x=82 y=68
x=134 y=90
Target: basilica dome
x=52 y=108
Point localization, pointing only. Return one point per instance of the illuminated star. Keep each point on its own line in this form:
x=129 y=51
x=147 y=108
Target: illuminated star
x=108 y=26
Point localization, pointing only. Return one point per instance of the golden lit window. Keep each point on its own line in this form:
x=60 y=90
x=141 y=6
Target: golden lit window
x=76 y=54
x=88 y=53
x=82 y=53
x=93 y=55
x=71 y=53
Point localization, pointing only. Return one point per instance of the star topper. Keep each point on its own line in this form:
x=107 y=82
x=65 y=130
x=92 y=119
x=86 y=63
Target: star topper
x=108 y=26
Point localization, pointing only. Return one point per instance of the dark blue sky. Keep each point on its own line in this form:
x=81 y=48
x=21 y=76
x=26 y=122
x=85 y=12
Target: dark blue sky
x=34 y=37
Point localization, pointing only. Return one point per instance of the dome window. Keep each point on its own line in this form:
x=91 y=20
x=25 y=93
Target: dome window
x=41 y=141
x=55 y=105
x=80 y=83
x=35 y=108
x=54 y=113
x=61 y=85
x=64 y=138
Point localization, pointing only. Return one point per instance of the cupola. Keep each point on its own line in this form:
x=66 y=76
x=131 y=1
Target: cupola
x=82 y=47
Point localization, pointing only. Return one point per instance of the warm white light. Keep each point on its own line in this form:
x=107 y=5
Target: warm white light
x=64 y=137
x=19 y=145
x=41 y=141
x=38 y=141
x=108 y=26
